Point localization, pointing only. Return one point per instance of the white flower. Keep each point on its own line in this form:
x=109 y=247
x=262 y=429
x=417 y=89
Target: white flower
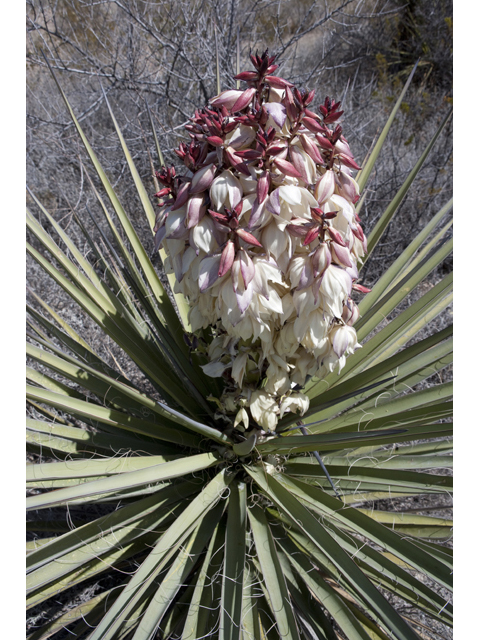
x=312 y=330
x=278 y=243
x=335 y=288
x=295 y=202
x=202 y=235
x=344 y=340
x=263 y=408
x=226 y=190
x=305 y=364
x=241 y=417
x=239 y=368
x=295 y=403
x=215 y=369
x=278 y=381
x=241 y=137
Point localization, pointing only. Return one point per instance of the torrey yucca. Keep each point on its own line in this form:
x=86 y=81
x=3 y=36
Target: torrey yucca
x=236 y=484
x=262 y=235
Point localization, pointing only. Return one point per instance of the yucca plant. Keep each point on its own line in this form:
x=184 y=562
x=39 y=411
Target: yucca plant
x=237 y=504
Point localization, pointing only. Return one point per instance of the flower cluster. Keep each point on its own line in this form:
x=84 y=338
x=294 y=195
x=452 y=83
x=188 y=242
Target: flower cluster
x=263 y=238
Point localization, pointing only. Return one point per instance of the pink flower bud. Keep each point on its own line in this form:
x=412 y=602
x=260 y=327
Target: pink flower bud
x=203 y=178
x=324 y=143
x=247 y=76
x=357 y=231
x=311 y=235
x=360 y=288
x=289 y=101
x=342 y=147
x=182 y=196
x=216 y=141
x=311 y=149
x=336 y=236
x=347 y=161
x=312 y=125
x=262 y=186
x=236 y=162
x=299 y=163
x=297 y=229
x=340 y=255
x=248 y=237
x=244 y=100
x=195 y=210
x=287 y=168
x=163 y=192
x=278 y=83
x=226 y=259
x=226 y=98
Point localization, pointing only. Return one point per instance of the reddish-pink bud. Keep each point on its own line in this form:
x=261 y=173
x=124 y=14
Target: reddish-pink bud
x=347 y=161
x=311 y=149
x=298 y=162
x=317 y=214
x=324 y=143
x=311 y=235
x=163 y=192
x=330 y=215
x=312 y=125
x=247 y=76
x=287 y=168
x=236 y=162
x=357 y=232
x=297 y=230
x=182 y=196
x=246 y=236
x=336 y=236
x=309 y=97
x=277 y=83
x=360 y=288
x=312 y=114
x=226 y=98
x=341 y=255
x=244 y=100
x=262 y=187
x=226 y=259
x=277 y=149
x=333 y=117
x=221 y=217
x=289 y=101
x=216 y=141
x=249 y=154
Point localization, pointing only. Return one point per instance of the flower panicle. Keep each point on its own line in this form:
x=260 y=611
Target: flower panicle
x=264 y=241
